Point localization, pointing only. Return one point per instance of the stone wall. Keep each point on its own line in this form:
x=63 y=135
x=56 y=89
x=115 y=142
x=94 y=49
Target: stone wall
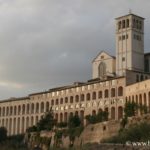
x=96 y=132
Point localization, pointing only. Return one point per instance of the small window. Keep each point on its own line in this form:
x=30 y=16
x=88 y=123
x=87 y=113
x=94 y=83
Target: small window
x=102 y=57
x=104 y=128
x=123 y=58
x=127 y=23
x=123 y=24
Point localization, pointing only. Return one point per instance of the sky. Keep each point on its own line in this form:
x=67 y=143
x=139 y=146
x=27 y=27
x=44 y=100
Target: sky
x=51 y=43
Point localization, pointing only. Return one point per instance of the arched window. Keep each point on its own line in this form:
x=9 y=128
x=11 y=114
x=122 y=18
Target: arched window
x=57 y=102
x=19 y=110
x=32 y=108
x=88 y=96
x=37 y=107
x=106 y=93
x=52 y=102
x=82 y=97
x=66 y=99
x=71 y=99
x=47 y=106
x=42 y=107
x=94 y=95
x=120 y=91
x=28 y=108
x=119 y=25
x=123 y=24
x=127 y=23
x=100 y=94
x=23 y=109
x=61 y=101
x=102 y=69
x=113 y=92
x=77 y=98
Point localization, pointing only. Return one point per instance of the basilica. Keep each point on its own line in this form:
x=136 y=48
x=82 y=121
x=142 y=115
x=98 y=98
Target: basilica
x=115 y=80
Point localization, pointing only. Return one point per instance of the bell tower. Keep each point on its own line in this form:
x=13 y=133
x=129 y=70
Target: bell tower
x=129 y=43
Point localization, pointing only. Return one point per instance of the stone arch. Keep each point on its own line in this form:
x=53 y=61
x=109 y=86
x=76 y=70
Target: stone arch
x=3 y=111
x=23 y=128
x=71 y=99
x=19 y=110
x=23 y=109
x=71 y=114
x=88 y=96
x=27 y=122
x=61 y=101
x=56 y=117
x=94 y=95
x=28 y=108
x=14 y=129
x=106 y=93
x=18 y=126
x=66 y=99
x=52 y=102
x=61 y=117
x=120 y=112
x=100 y=94
x=47 y=106
x=76 y=113
x=10 y=126
x=82 y=97
x=15 y=110
x=113 y=114
x=77 y=98
x=57 y=102
x=7 y=125
x=32 y=121
x=36 y=119
x=113 y=92
x=145 y=100
x=120 y=91
x=140 y=99
x=100 y=110
x=37 y=107
x=42 y=107
x=93 y=112
x=65 y=117
x=136 y=99
x=102 y=69
x=32 y=108
x=7 y=111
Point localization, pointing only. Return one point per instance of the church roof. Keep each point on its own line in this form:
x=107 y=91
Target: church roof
x=129 y=15
x=105 y=53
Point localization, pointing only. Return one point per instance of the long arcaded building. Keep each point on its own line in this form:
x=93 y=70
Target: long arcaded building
x=116 y=80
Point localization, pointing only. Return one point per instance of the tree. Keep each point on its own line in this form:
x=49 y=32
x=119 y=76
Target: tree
x=47 y=122
x=130 y=109
x=3 y=134
x=74 y=121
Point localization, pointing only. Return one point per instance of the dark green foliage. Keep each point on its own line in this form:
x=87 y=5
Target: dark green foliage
x=136 y=133
x=130 y=109
x=62 y=125
x=100 y=117
x=47 y=122
x=13 y=143
x=74 y=121
x=32 y=129
x=3 y=134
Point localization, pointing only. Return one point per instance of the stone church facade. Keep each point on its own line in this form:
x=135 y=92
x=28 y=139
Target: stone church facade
x=115 y=80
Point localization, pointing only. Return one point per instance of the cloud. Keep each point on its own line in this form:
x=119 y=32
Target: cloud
x=48 y=43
